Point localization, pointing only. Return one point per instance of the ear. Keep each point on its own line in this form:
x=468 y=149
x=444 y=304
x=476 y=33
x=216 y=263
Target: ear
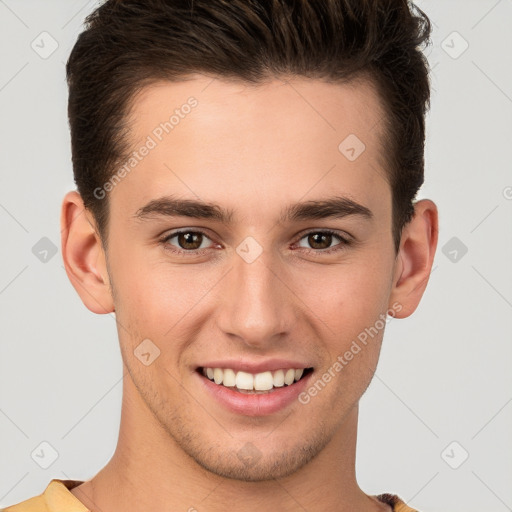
x=415 y=258
x=83 y=255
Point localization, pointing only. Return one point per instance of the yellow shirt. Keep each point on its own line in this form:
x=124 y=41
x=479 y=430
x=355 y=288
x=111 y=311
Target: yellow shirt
x=57 y=498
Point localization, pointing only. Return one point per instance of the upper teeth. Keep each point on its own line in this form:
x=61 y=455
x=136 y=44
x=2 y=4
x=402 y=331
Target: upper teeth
x=248 y=381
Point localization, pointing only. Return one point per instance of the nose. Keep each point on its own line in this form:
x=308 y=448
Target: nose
x=258 y=305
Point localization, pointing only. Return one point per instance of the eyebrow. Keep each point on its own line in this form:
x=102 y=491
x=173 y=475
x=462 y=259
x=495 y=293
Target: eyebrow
x=333 y=207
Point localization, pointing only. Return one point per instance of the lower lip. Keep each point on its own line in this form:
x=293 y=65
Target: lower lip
x=255 y=404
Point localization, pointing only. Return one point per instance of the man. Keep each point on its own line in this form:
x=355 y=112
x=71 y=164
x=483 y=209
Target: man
x=246 y=177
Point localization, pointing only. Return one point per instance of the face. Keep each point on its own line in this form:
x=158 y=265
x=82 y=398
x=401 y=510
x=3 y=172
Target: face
x=257 y=278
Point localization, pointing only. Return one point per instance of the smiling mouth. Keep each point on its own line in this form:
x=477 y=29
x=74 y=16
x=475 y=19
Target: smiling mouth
x=250 y=383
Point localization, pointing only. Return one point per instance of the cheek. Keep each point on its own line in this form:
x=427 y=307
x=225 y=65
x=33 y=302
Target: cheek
x=348 y=297
x=146 y=286
x=155 y=305
x=161 y=301
x=352 y=311
x=352 y=308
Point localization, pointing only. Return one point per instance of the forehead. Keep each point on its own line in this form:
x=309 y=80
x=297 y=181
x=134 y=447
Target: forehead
x=318 y=105
x=219 y=140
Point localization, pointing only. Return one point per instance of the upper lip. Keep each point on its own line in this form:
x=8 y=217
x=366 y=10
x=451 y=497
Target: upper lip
x=253 y=367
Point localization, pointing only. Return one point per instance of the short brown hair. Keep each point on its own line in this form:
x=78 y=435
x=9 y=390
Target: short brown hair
x=128 y=44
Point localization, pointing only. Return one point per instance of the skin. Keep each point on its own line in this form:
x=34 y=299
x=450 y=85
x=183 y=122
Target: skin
x=253 y=150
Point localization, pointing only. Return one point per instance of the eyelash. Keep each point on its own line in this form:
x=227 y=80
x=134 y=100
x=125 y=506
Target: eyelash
x=344 y=242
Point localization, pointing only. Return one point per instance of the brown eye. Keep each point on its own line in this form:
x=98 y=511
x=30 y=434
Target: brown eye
x=189 y=240
x=322 y=241
x=185 y=241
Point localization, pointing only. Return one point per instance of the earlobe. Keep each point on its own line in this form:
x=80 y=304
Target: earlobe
x=415 y=258
x=83 y=255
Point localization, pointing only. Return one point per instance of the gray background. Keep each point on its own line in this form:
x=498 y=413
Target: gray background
x=443 y=387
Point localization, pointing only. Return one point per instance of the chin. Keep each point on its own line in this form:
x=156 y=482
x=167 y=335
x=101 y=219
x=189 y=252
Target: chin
x=256 y=461
x=265 y=468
